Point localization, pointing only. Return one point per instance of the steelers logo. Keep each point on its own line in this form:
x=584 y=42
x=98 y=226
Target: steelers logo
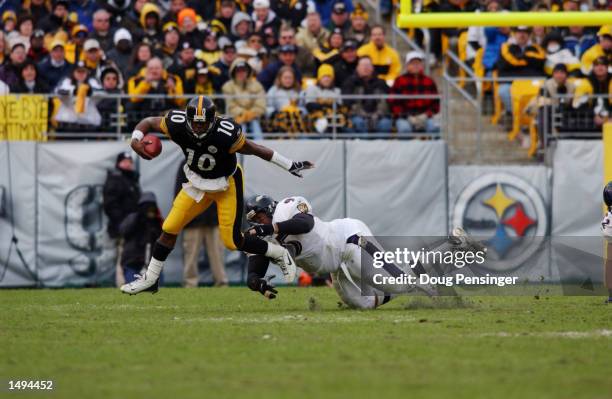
x=212 y=149
x=507 y=213
x=302 y=207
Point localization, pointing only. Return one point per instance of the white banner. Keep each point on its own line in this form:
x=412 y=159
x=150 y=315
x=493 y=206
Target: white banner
x=17 y=213
x=398 y=188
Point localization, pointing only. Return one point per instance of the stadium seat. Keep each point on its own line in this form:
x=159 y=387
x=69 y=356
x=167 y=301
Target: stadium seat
x=522 y=92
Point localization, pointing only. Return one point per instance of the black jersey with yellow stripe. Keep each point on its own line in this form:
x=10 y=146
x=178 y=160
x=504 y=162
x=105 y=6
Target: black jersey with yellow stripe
x=213 y=156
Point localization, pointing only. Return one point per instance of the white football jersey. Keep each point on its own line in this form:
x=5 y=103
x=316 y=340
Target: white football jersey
x=322 y=248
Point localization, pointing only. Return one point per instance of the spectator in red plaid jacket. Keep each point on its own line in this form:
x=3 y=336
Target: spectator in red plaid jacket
x=415 y=114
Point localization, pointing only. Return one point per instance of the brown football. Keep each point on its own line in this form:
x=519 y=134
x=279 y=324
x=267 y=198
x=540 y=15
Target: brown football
x=152 y=144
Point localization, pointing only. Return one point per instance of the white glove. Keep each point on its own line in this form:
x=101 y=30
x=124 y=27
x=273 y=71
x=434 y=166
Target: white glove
x=606 y=226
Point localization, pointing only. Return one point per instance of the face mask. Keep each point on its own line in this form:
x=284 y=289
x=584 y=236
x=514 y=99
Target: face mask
x=553 y=48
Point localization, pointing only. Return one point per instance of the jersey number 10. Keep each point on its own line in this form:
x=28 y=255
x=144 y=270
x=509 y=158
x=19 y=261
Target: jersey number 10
x=202 y=164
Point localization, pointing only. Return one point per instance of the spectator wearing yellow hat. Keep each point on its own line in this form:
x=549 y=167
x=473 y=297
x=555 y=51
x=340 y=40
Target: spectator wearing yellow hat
x=54 y=67
x=9 y=21
x=603 y=48
x=319 y=99
x=359 y=30
x=74 y=47
x=385 y=59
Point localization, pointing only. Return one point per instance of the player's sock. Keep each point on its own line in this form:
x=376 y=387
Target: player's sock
x=254 y=245
x=274 y=251
x=160 y=254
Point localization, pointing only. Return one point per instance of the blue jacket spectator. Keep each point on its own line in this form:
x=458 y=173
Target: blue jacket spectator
x=54 y=67
x=495 y=38
x=324 y=8
x=578 y=41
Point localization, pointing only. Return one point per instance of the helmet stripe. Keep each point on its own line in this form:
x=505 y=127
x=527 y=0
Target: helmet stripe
x=199 y=110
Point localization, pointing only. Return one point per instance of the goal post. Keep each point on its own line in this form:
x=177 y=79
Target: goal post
x=408 y=19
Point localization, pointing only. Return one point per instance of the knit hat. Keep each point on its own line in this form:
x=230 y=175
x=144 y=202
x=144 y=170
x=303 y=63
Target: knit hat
x=360 y=11
x=325 y=70
x=76 y=29
x=184 y=13
x=122 y=34
x=123 y=155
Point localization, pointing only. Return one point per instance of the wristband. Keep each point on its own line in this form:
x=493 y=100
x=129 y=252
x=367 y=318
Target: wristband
x=282 y=161
x=137 y=134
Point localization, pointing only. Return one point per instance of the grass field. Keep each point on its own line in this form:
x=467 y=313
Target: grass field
x=231 y=343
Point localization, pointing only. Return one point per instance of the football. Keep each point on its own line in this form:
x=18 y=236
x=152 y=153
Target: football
x=152 y=144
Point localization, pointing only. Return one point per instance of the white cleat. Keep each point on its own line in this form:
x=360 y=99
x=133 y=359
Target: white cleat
x=141 y=284
x=287 y=266
x=463 y=241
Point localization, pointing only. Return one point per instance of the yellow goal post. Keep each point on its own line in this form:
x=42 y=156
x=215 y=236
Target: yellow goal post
x=408 y=19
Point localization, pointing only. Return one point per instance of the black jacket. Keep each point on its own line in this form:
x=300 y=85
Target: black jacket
x=121 y=194
x=140 y=230
x=343 y=70
x=40 y=87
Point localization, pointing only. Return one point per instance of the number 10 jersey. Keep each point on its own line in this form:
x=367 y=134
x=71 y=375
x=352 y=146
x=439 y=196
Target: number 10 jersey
x=213 y=156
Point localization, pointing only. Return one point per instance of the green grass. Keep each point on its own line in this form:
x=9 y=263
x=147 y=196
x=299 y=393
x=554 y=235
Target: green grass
x=232 y=343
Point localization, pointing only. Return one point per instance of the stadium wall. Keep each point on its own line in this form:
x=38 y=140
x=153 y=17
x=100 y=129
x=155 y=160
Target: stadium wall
x=52 y=198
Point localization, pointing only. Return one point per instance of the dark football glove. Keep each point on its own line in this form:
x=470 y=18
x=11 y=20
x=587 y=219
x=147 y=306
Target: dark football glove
x=267 y=289
x=298 y=166
x=261 y=230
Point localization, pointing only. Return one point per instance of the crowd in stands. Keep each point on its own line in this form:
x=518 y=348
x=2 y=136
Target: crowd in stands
x=278 y=65
x=273 y=65
x=541 y=53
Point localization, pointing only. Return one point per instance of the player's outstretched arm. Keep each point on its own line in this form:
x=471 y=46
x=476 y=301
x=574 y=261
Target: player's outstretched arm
x=301 y=223
x=145 y=126
x=267 y=154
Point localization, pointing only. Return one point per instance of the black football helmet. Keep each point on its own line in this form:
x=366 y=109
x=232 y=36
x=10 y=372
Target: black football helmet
x=259 y=203
x=201 y=113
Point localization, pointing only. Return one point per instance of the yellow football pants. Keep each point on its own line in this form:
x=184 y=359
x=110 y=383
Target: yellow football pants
x=229 y=211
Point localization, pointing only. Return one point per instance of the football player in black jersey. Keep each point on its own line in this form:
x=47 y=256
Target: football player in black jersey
x=210 y=143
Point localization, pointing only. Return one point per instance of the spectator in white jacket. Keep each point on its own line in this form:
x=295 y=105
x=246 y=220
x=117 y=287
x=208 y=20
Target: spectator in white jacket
x=284 y=93
x=75 y=93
